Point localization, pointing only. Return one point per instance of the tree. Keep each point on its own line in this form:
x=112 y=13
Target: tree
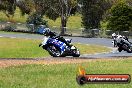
x=51 y=8
x=36 y=20
x=34 y=11
x=8 y=7
x=26 y=6
x=92 y=12
x=121 y=17
x=57 y=8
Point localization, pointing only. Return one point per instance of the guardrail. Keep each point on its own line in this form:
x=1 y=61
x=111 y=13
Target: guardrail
x=73 y=32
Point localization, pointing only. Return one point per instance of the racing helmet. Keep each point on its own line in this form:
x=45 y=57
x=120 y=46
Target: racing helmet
x=46 y=31
x=114 y=34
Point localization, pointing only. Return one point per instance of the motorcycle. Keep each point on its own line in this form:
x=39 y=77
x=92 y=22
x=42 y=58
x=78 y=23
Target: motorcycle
x=124 y=46
x=58 y=48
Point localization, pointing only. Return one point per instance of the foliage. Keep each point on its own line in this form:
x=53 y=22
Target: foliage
x=8 y=7
x=57 y=8
x=121 y=17
x=36 y=19
x=26 y=6
x=92 y=11
x=10 y=28
x=51 y=8
x=74 y=22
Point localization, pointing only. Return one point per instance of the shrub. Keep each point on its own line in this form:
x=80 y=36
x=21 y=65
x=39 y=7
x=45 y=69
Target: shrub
x=36 y=20
x=121 y=17
x=9 y=28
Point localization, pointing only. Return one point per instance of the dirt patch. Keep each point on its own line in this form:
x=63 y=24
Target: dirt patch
x=46 y=61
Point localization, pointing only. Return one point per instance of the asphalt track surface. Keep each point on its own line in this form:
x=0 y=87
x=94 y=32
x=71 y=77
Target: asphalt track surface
x=98 y=41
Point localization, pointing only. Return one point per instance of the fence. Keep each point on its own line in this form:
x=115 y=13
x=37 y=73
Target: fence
x=74 y=32
x=14 y=26
x=124 y=33
x=8 y=26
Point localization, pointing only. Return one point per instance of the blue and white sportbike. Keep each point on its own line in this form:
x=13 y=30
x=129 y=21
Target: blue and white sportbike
x=57 y=48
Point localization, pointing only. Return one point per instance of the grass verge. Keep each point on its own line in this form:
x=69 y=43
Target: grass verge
x=20 y=48
x=91 y=49
x=74 y=22
x=27 y=48
x=63 y=75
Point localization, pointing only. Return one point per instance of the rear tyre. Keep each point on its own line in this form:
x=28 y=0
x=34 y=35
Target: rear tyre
x=129 y=50
x=119 y=49
x=53 y=51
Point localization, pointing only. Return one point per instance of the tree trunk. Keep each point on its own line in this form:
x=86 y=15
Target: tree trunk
x=63 y=25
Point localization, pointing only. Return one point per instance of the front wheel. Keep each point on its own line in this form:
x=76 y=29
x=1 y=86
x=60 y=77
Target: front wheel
x=76 y=53
x=53 y=51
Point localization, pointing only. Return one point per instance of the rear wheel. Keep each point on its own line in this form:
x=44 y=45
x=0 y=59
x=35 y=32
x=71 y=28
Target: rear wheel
x=129 y=50
x=119 y=49
x=53 y=51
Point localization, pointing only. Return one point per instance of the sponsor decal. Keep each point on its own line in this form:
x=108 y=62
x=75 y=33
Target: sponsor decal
x=83 y=78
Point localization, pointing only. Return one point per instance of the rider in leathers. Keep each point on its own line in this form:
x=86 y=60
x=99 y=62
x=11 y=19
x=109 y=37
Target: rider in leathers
x=47 y=32
x=120 y=39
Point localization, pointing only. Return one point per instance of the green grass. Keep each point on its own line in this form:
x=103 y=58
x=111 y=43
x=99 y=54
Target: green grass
x=92 y=49
x=27 y=48
x=20 y=48
x=74 y=22
x=17 y=17
x=62 y=75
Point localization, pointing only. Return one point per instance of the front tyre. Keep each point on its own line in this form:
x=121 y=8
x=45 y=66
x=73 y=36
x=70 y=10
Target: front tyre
x=53 y=51
x=76 y=53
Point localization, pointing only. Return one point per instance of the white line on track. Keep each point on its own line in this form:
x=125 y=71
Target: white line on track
x=12 y=37
x=8 y=37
